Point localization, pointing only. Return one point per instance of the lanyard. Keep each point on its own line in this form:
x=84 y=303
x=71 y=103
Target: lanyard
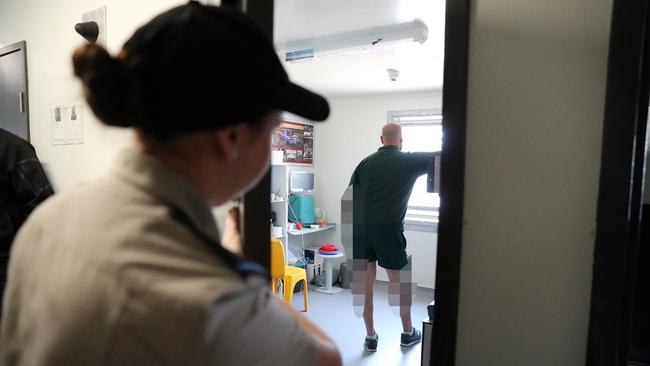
x=243 y=267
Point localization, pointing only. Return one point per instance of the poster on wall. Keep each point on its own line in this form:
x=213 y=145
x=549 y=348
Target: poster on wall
x=296 y=140
x=67 y=124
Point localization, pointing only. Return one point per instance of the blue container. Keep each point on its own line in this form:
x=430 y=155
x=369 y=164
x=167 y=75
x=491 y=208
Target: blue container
x=302 y=208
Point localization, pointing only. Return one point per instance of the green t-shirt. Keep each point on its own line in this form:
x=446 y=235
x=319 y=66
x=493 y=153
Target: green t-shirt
x=383 y=183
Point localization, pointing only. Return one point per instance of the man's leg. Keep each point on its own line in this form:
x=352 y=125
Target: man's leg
x=398 y=288
x=371 y=273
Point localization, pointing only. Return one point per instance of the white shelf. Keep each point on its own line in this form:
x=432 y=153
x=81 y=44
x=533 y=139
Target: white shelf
x=280 y=186
x=307 y=231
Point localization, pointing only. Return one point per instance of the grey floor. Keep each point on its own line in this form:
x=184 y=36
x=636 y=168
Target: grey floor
x=336 y=316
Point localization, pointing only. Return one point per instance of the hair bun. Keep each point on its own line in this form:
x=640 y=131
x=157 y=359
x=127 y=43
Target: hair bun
x=104 y=82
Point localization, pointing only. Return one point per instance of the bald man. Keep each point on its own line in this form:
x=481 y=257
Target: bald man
x=382 y=185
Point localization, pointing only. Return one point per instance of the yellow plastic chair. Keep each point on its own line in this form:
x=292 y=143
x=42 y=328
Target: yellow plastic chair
x=289 y=275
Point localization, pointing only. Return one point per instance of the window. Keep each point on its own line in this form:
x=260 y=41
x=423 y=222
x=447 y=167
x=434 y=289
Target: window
x=422 y=132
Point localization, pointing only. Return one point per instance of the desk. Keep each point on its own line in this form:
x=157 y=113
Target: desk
x=309 y=230
x=328 y=288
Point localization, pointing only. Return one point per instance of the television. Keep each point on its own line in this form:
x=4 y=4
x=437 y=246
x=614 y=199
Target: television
x=301 y=181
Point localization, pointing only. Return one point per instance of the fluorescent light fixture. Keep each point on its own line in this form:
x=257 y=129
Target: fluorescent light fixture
x=355 y=42
x=418 y=118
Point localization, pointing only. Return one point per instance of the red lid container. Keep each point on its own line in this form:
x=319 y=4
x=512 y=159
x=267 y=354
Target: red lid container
x=327 y=248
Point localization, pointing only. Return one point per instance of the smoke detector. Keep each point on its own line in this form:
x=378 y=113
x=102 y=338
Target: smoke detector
x=393 y=74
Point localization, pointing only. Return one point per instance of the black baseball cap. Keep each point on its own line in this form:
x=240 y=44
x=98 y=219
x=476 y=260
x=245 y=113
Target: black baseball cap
x=205 y=67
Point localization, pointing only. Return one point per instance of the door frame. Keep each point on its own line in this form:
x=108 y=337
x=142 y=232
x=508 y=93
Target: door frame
x=452 y=182
x=17 y=47
x=621 y=184
x=256 y=205
x=452 y=173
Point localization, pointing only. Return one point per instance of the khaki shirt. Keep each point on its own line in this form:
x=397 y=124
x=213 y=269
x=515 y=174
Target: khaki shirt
x=103 y=275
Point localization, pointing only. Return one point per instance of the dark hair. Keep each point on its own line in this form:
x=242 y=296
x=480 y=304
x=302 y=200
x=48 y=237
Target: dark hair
x=106 y=85
x=114 y=89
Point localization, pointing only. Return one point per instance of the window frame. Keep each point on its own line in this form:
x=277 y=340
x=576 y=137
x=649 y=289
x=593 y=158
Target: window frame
x=418 y=117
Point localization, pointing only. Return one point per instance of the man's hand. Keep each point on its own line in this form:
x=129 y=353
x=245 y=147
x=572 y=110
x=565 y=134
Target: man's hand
x=231 y=232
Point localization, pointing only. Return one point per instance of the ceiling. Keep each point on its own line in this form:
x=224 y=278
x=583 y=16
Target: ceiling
x=420 y=65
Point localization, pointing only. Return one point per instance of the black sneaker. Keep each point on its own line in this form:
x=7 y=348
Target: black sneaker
x=409 y=339
x=371 y=343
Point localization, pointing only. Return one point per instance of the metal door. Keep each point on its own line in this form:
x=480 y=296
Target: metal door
x=14 y=113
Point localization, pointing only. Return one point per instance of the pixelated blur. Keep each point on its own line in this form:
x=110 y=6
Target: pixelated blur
x=401 y=288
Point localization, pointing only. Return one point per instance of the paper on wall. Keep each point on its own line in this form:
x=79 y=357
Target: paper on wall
x=67 y=124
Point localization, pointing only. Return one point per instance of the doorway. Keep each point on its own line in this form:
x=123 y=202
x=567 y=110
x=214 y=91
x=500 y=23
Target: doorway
x=257 y=204
x=376 y=62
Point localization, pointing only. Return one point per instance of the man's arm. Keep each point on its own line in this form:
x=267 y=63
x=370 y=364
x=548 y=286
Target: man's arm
x=419 y=162
x=231 y=238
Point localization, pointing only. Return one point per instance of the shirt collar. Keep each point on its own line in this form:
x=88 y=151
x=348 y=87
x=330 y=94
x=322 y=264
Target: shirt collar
x=388 y=147
x=149 y=174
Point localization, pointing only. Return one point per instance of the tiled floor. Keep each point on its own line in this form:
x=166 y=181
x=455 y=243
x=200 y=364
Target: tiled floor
x=336 y=316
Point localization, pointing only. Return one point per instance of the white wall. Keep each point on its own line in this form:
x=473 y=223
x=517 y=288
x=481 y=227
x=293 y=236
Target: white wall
x=48 y=28
x=349 y=135
x=537 y=75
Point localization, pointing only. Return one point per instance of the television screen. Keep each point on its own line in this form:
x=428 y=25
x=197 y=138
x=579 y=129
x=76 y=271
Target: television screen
x=302 y=181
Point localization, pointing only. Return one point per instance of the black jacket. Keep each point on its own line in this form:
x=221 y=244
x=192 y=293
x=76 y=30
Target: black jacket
x=23 y=186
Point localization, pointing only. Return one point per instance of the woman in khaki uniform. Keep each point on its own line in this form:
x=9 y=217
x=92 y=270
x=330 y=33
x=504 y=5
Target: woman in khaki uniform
x=127 y=270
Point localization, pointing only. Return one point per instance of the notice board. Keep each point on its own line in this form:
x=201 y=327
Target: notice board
x=296 y=140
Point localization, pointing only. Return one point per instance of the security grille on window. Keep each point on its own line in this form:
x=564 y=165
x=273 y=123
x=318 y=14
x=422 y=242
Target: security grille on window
x=422 y=132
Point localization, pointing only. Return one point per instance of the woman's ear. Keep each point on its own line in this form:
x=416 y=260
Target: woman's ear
x=228 y=140
x=225 y=143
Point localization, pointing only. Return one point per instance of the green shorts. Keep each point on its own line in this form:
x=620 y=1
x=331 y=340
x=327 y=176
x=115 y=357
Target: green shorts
x=383 y=243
